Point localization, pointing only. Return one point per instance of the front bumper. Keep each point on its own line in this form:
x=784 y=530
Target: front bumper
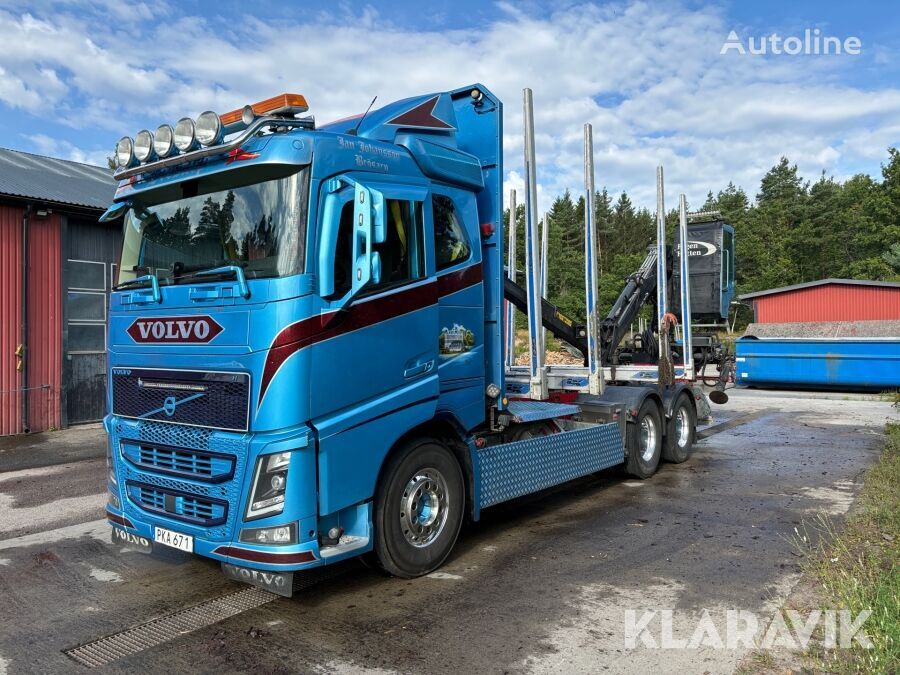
x=158 y=484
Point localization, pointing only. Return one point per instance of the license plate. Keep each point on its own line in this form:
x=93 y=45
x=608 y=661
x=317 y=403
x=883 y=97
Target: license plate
x=183 y=542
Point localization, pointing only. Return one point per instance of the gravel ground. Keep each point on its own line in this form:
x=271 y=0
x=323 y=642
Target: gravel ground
x=542 y=584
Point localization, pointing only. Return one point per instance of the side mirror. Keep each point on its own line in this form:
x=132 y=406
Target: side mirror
x=115 y=211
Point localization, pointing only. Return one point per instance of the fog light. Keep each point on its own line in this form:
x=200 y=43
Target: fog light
x=209 y=128
x=185 y=138
x=143 y=145
x=164 y=140
x=493 y=391
x=125 y=152
x=282 y=535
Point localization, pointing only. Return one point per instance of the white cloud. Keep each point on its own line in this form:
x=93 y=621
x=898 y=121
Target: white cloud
x=667 y=94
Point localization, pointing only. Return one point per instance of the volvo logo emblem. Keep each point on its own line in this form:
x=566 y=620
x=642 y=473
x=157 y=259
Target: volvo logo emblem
x=175 y=329
x=169 y=405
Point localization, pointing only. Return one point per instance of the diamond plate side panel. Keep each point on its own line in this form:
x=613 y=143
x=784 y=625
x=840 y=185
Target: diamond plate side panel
x=534 y=411
x=514 y=469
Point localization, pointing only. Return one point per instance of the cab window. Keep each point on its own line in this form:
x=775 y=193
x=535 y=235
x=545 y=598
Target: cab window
x=402 y=256
x=451 y=243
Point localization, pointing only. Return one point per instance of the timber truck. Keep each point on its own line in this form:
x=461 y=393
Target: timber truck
x=306 y=347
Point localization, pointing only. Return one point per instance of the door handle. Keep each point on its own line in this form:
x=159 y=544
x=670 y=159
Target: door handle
x=419 y=369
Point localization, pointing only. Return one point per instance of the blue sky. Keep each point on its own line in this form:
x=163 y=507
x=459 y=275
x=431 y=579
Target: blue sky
x=75 y=76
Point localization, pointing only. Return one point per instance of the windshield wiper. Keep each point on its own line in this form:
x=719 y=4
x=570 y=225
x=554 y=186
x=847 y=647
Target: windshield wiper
x=146 y=279
x=237 y=271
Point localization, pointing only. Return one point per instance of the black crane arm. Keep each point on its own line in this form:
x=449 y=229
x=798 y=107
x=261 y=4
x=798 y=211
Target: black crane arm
x=639 y=288
x=555 y=321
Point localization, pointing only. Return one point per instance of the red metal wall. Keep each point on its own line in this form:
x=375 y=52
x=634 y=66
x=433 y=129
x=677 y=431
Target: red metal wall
x=44 y=302
x=10 y=318
x=44 y=323
x=830 y=302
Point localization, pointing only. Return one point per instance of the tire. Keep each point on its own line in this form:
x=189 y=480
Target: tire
x=419 y=507
x=680 y=430
x=644 y=441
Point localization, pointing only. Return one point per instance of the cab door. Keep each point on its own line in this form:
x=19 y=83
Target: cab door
x=374 y=376
x=457 y=261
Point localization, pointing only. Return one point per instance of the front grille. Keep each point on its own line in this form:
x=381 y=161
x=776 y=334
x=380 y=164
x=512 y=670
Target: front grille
x=196 y=398
x=175 y=460
x=178 y=505
x=198 y=464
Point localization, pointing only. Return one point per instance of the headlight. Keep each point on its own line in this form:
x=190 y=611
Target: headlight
x=269 y=483
x=143 y=145
x=125 y=152
x=209 y=128
x=164 y=140
x=110 y=466
x=184 y=134
x=113 y=499
x=281 y=535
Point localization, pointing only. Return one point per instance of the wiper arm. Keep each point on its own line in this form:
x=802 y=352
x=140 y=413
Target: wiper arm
x=229 y=269
x=146 y=279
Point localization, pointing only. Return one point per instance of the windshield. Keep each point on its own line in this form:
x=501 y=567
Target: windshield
x=201 y=224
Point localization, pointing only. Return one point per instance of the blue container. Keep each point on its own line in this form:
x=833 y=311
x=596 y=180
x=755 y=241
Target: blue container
x=846 y=363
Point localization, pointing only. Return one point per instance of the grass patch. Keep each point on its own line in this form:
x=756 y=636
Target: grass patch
x=858 y=568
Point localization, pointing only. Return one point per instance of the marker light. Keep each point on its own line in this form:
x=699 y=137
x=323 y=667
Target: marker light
x=184 y=134
x=143 y=145
x=283 y=104
x=164 y=140
x=209 y=128
x=125 y=152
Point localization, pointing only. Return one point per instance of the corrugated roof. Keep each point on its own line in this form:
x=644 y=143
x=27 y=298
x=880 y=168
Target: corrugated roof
x=821 y=282
x=55 y=180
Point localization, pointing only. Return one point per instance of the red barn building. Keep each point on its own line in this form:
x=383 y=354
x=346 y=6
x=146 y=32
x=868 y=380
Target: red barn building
x=56 y=267
x=827 y=300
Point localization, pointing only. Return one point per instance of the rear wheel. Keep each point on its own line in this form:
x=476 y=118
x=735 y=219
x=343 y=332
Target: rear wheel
x=644 y=441
x=680 y=429
x=418 y=509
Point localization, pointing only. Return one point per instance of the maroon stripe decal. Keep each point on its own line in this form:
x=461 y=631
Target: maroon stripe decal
x=421 y=116
x=119 y=520
x=264 y=557
x=315 y=329
x=460 y=279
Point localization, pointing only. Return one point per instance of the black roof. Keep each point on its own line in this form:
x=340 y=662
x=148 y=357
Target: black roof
x=821 y=282
x=60 y=181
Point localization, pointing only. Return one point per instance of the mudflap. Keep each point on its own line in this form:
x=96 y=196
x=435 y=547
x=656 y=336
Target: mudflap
x=131 y=542
x=280 y=583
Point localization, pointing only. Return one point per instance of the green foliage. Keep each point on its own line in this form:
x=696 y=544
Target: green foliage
x=794 y=232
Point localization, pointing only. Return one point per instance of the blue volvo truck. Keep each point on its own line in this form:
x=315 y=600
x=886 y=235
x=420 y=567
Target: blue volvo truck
x=305 y=348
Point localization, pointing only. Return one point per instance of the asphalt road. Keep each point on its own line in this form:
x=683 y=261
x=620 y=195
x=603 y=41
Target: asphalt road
x=542 y=584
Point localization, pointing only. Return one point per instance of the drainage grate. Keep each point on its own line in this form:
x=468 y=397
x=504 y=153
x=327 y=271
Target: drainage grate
x=138 y=638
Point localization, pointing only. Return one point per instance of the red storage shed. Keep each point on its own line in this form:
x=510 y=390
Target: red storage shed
x=56 y=265
x=827 y=300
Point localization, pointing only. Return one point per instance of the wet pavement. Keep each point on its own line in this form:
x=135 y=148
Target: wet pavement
x=542 y=584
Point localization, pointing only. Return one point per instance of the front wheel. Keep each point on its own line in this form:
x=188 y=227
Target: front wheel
x=644 y=441
x=418 y=509
x=680 y=431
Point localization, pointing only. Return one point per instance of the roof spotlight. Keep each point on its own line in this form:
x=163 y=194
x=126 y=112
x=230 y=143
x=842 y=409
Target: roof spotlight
x=164 y=140
x=125 y=152
x=143 y=145
x=209 y=128
x=185 y=138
